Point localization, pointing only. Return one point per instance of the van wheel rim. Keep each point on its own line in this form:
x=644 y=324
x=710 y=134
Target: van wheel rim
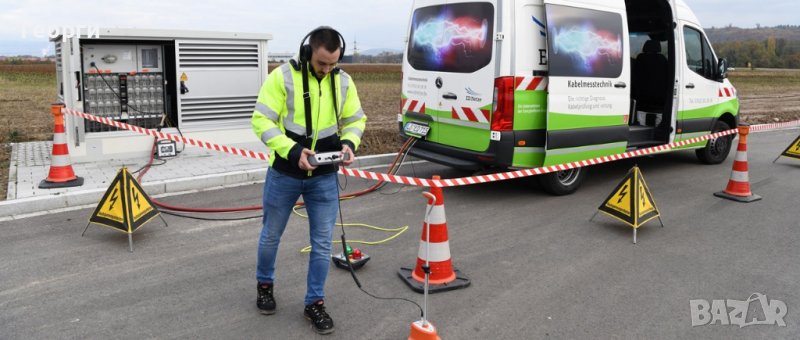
x=568 y=177
x=718 y=145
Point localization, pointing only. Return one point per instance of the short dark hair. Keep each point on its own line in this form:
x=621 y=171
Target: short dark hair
x=327 y=38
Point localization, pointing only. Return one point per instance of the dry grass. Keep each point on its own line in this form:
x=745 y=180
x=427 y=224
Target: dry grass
x=26 y=92
x=767 y=95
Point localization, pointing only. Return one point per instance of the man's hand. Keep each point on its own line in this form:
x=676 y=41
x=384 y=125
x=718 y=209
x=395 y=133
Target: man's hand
x=349 y=157
x=303 y=162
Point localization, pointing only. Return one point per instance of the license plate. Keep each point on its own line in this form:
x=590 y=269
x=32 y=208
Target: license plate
x=416 y=129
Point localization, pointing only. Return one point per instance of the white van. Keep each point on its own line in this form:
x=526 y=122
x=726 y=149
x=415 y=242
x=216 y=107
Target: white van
x=529 y=83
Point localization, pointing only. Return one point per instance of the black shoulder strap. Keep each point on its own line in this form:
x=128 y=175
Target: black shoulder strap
x=333 y=91
x=307 y=100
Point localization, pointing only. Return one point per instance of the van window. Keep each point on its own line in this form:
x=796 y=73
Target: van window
x=584 y=42
x=699 y=57
x=637 y=41
x=451 y=38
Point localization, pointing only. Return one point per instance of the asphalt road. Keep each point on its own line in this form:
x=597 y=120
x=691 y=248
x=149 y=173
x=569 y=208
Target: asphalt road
x=538 y=267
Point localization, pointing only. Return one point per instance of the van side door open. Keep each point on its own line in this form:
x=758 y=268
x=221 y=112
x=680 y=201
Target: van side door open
x=589 y=102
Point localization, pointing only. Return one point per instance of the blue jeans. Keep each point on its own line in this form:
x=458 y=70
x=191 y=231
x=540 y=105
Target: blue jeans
x=321 y=200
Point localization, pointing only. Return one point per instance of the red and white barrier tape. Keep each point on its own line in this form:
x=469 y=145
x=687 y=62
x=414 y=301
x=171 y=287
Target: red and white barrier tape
x=773 y=126
x=452 y=182
x=159 y=134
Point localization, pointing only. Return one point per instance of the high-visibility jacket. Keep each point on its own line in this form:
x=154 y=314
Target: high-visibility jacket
x=279 y=118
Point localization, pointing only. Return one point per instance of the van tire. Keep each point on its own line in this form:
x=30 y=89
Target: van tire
x=716 y=150
x=562 y=182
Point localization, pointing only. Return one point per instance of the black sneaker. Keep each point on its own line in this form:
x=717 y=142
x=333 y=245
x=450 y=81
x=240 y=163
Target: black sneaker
x=322 y=322
x=265 y=301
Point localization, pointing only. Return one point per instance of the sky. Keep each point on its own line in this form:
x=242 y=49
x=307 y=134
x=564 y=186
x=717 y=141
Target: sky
x=371 y=23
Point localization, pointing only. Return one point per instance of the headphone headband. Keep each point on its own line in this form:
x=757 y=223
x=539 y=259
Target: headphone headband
x=305 y=49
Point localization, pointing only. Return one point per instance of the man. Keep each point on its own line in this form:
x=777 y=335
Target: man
x=295 y=127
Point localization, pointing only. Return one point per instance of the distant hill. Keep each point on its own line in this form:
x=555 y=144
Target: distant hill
x=732 y=33
x=770 y=47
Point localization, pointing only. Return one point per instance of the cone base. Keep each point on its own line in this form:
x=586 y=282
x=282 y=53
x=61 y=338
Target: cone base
x=743 y=199
x=421 y=332
x=461 y=281
x=44 y=184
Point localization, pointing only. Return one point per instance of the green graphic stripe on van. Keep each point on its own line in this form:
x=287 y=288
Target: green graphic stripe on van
x=561 y=121
x=446 y=117
x=713 y=111
x=437 y=113
x=687 y=136
x=530 y=110
x=581 y=153
x=461 y=136
x=528 y=157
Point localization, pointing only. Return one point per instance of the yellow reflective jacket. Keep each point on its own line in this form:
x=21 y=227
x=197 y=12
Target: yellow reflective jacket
x=279 y=118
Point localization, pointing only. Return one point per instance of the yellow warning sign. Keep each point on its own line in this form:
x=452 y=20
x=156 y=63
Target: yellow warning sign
x=793 y=150
x=124 y=205
x=141 y=208
x=184 y=77
x=111 y=206
x=631 y=201
x=645 y=205
x=621 y=200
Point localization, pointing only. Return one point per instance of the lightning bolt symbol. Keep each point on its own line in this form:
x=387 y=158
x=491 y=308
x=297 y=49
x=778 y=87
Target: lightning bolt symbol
x=622 y=193
x=136 y=199
x=113 y=199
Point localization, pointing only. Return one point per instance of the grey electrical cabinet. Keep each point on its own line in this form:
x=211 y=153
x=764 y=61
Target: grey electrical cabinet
x=203 y=83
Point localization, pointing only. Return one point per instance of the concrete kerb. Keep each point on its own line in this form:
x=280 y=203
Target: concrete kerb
x=31 y=206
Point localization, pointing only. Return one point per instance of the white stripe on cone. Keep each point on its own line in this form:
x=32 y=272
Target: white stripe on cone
x=60 y=160
x=59 y=138
x=741 y=156
x=739 y=176
x=438 y=251
x=437 y=215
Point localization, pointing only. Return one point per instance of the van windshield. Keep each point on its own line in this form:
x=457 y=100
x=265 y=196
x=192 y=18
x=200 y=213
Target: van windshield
x=451 y=38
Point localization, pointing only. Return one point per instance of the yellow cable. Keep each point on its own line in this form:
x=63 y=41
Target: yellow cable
x=398 y=231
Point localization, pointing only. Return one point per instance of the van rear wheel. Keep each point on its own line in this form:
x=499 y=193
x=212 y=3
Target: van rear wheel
x=717 y=149
x=562 y=182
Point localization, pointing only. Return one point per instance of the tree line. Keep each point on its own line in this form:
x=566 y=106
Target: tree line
x=767 y=47
x=768 y=53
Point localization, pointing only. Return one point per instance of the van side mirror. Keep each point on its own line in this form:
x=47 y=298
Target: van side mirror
x=722 y=71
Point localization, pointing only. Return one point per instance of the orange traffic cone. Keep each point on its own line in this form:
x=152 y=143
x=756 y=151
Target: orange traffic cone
x=739 y=185
x=423 y=330
x=61 y=174
x=443 y=276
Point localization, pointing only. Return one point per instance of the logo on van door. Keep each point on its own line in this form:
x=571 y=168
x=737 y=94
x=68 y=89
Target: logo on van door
x=438 y=82
x=472 y=95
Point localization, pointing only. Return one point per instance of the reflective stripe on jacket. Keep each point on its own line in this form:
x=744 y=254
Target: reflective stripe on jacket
x=279 y=117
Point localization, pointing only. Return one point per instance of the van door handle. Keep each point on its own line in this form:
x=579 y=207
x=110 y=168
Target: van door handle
x=450 y=95
x=621 y=85
x=690 y=86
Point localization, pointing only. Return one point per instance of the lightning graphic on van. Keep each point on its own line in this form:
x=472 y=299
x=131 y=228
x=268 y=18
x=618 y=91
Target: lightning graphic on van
x=588 y=45
x=442 y=35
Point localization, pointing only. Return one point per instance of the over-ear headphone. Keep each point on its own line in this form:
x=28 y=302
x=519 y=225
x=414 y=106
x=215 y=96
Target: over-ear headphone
x=305 y=49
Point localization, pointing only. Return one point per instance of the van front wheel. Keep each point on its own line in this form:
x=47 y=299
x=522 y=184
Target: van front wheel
x=717 y=149
x=562 y=182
